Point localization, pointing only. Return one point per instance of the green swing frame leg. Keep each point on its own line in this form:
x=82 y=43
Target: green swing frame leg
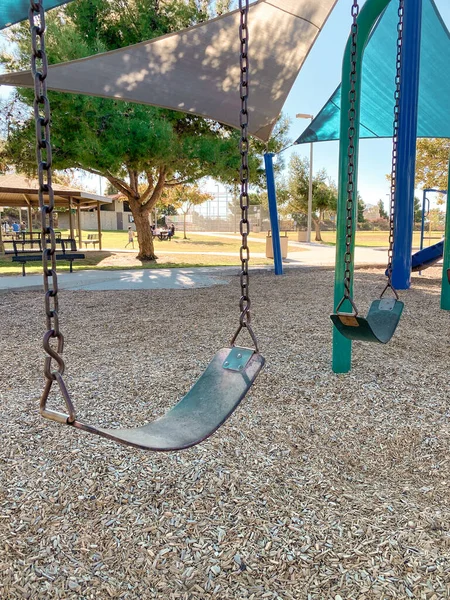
x=445 y=287
x=342 y=347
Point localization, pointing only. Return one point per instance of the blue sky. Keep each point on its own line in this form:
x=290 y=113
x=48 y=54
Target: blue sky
x=319 y=77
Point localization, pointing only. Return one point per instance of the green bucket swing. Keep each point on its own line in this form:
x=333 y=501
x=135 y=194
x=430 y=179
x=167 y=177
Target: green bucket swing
x=384 y=314
x=231 y=372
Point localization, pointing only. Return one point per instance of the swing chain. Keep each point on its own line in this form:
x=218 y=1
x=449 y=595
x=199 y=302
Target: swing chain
x=351 y=163
x=398 y=74
x=39 y=69
x=244 y=226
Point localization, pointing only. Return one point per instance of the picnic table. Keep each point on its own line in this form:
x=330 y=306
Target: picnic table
x=162 y=234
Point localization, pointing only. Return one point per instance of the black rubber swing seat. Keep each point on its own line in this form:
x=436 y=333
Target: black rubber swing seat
x=207 y=405
x=379 y=326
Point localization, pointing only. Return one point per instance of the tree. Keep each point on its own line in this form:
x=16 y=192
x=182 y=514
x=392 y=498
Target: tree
x=432 y=163
x=381 y=210
x=361 y=209
x=140 y=150
x=417 y=210
x=184 y=197
x=324 y=196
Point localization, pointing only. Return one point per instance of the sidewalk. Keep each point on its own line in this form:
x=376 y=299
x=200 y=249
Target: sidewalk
x=139 y=279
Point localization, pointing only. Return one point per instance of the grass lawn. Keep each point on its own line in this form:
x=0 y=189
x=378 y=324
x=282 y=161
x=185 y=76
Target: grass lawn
x=196 y=251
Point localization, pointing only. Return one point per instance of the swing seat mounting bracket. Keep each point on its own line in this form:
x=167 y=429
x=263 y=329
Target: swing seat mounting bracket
x=238 y=358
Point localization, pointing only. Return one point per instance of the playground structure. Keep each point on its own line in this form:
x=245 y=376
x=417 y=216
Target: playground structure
x=362 y=460
x=430 y=255
x=407 y=100
x=384 y=315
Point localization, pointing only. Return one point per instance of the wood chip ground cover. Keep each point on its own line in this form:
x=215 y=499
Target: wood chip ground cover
x=320 y=486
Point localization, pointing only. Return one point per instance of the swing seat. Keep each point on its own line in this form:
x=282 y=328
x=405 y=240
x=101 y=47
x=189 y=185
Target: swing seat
x=206 y=406
x=379 y=326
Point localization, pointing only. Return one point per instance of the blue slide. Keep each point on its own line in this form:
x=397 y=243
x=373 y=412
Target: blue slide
x=427 y=257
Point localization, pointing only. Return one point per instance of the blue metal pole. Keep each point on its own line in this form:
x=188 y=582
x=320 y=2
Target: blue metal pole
x=273 y=213
x=422 y=226
x=445 y=286
x=406 y=148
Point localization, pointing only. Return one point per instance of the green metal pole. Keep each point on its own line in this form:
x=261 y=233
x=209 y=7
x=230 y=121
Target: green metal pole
x=372 y=9
x=445 y=288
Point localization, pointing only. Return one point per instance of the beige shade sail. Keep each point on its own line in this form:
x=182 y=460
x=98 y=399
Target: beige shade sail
x=197 y=70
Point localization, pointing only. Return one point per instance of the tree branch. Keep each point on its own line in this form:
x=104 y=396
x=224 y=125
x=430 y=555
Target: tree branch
x=121 y=185
x=157 y=191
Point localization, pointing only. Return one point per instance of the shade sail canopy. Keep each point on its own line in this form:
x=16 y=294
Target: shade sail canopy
x=197 y=70
x=13 y=11
x=18 y=190
x=378 y=82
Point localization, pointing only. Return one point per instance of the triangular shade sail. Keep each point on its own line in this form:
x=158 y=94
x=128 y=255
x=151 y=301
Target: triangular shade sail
x=197 y=70
x=378 y=83
x=13 y=11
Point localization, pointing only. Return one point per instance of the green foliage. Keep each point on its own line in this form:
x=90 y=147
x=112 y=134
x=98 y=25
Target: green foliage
x=417 y=210
x=381 y=210
x=432 y=163
x=140 y=149
x=361 y=209
x=324 y=192
x=125 y=142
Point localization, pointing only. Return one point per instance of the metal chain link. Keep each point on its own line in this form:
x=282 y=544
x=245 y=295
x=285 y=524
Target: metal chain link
x=244 y=226
x=39 y=69
x=394 y=146
x=351 y=162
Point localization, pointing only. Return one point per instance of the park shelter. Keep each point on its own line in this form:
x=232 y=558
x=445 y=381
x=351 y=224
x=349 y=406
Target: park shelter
x=378 y=83
x=19 y=191
x=197 y=70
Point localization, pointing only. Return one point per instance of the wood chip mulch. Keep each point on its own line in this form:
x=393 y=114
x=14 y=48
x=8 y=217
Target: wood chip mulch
x=319 y=487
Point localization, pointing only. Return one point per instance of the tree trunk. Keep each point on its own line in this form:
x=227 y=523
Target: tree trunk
x=184 y=226
x=318 y=237
x=144 y=234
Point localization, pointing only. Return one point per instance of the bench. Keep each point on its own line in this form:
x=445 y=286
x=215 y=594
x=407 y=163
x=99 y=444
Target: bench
x=92 y=238
x=22 y=246
x=17 y=247
x=68 y=248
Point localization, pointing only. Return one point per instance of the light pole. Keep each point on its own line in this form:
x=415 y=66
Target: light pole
x=308 y=229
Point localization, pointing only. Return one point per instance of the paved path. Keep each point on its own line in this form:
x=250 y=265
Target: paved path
x=139 y=279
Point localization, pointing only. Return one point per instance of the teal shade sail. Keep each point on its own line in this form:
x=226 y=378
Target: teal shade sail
x=378 y=82
x=13 y=11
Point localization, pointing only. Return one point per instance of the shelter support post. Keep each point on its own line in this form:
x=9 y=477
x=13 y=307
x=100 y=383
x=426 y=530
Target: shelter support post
x=80 y=241
x=2 y=248
x=273 y=213
x=372 y=9
x=406 y=146
x=70 y=220
x=29 y=215
x=99 y=226
x=445 y=288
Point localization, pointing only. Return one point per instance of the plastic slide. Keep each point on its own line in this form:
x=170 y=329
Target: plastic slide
x=427 y=257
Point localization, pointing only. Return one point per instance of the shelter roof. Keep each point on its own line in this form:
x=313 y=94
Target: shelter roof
x=197 y=70
x=18 y=190
x=378 y=82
